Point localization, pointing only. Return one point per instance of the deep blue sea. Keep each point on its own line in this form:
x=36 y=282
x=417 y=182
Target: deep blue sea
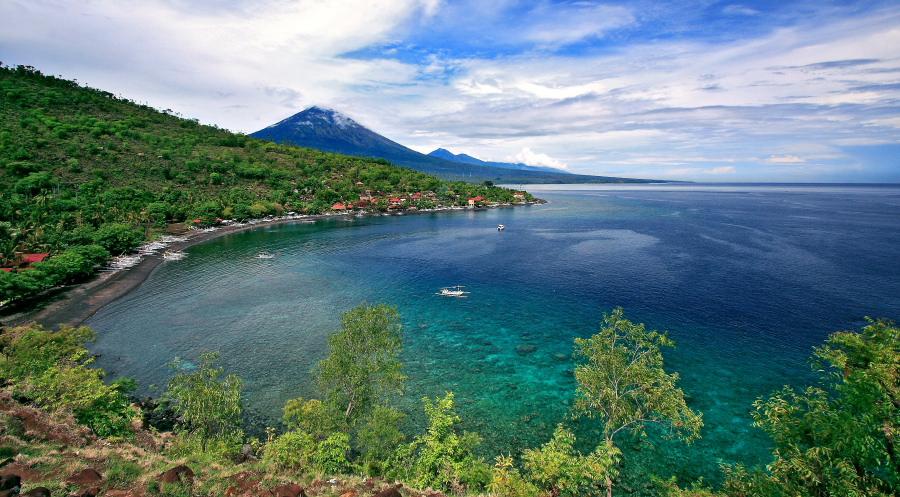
x=746 y=279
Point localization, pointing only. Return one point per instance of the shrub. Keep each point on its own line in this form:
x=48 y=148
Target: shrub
x=506 y=481
x=53 y=369
x=330 y=456
x=311 y=416
x=292 y=450
x=442 y=457
x=118 y=238
x=557 y=467
x=208 y=405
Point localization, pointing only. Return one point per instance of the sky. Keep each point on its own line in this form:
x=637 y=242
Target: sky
x=805 y=91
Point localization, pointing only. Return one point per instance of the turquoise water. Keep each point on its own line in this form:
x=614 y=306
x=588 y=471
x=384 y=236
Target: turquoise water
x=747 y=279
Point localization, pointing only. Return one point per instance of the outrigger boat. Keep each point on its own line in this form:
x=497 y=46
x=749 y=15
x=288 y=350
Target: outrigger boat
x=265 y=255
x=453 y=291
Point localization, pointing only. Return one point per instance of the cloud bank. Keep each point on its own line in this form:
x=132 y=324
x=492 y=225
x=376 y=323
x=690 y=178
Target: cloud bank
x=687 y=90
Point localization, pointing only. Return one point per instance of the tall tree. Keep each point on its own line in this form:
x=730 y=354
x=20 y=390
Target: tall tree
x=623 y=383
x=207 y=403
x=838 y=438
x=363 y=365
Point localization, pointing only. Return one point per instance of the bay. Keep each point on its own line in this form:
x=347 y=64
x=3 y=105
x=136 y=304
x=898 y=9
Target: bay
x=746 y=279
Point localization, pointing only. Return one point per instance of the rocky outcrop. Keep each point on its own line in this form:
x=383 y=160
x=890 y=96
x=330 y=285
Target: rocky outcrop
x=180 y=474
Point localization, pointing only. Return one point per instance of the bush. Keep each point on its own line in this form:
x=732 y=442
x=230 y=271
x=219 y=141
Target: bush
x=311 y=416
x=118 y=238
x=442 y=457
x=208 y=405
x=292 y=450
x=53 y=369
x=330 y=456
x=507 y=482
x=557 y=467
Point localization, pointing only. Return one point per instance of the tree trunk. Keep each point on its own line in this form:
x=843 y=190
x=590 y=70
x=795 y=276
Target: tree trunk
x=608 y=486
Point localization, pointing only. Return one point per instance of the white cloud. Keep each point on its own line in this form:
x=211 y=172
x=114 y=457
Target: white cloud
x=722 y=170
x=785 y=159
x=532 y=158
x=634 y=108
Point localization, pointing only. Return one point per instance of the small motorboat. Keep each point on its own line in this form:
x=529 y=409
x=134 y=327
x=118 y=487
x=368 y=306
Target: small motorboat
x=170 y=255
x=265 y=255
x=500 y=227
x=453 y=291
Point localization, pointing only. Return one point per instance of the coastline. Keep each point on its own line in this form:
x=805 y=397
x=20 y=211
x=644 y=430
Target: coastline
x=74 y=305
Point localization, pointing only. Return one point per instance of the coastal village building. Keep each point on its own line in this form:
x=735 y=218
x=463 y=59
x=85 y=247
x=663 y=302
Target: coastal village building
x=519 y=195
x=25 y=261
x=473 y=201
x=338 y=206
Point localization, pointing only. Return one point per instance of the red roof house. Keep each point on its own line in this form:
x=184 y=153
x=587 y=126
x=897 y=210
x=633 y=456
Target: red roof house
x=338 y=206
x=32 y=258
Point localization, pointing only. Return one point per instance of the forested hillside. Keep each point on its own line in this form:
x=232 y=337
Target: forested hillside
x=87 y=174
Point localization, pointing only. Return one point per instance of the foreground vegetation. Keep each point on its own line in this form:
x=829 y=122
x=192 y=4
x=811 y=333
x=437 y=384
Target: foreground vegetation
x=85 y=175
x=837 y=438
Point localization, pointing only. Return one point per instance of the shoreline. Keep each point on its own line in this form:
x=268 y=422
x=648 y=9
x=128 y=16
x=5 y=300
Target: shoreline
x=74 y=305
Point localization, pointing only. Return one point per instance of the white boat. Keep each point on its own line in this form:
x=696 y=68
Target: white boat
x=453 y=291
x=500 y=227
x=265 y=255
x=173 y=256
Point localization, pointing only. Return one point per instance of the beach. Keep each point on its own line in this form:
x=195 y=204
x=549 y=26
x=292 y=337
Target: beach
x=74 y=304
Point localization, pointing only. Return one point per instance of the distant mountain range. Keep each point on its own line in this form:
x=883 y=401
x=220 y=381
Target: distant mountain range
x=445 y=154
x=331 y=131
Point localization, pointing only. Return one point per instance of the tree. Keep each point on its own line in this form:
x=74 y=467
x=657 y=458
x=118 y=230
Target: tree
x=839 y=438
x=442 y=457
x=559 y=468
x=363 y=364
x=208 y=405
x=623 y=383
x=118 y=238
x=311 y=416
x=378 y=438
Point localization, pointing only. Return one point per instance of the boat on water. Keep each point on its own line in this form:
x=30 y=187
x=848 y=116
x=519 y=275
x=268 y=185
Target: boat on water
x=453 y=291
x=170 y=255
x=500 y=227
x=265 y=255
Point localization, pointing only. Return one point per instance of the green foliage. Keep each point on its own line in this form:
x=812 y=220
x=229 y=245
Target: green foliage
x=292 y=450
x=208 y=405
x=118 y=238
x=311 y=416
x=53 y=369
x=623 y=383
x=363 y=365
x=71 y=266
x=442 y=457
x=330 y=456
x=506 y=481
x=379 y=437
x=297 y=450
x=838 y=438
x=557 y=467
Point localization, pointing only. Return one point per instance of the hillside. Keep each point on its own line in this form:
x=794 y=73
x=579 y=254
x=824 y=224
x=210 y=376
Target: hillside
x=86 y=173
x=330 y=130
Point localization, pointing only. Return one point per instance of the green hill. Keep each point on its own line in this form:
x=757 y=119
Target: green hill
x=84 y=174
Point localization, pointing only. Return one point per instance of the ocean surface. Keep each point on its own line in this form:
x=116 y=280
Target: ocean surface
x=745 y=278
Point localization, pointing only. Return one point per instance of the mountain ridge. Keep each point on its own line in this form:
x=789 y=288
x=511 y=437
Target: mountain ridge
x=329 y=130
x=445 y=154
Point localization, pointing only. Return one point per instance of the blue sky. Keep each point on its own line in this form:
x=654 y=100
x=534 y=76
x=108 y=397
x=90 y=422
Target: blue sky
x=694 y=90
